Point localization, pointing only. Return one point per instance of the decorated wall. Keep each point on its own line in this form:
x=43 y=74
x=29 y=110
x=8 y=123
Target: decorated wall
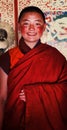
x=55 y=12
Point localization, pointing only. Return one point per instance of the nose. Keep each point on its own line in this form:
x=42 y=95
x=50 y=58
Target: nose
x=31 y=26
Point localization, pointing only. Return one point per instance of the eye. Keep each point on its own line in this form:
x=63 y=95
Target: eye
x=25 y=23
x=38 y=24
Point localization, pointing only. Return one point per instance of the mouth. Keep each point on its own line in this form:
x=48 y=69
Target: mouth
x=31 y=34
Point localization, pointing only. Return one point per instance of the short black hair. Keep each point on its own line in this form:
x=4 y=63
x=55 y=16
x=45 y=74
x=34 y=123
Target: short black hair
x=31 y=9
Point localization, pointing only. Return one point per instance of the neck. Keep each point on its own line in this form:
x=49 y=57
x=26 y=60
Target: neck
x=31 y=45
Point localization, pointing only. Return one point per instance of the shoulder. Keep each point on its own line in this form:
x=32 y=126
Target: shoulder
x=53 y=54
x=15 y=56
x=4 y=56
x=5 y=62
x=54 y=51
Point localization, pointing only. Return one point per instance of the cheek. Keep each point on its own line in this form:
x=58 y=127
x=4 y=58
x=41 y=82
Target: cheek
x=23 y=30
x=40 y=30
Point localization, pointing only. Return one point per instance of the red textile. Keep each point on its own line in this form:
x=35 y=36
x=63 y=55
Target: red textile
x=42 y=73
x=15 y=55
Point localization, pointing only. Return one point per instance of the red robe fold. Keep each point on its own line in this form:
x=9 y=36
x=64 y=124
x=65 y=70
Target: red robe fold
x=42 y=73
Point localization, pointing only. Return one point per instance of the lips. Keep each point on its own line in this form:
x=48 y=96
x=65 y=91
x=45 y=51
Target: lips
x=31 y=34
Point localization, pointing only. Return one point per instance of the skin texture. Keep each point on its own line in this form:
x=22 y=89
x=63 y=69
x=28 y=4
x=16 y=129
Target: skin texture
x=32 y=27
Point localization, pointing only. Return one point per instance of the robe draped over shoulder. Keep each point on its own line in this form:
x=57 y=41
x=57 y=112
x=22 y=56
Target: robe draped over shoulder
x=42 y=73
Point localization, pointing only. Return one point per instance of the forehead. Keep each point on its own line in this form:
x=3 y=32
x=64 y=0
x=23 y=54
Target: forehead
x=31 y=15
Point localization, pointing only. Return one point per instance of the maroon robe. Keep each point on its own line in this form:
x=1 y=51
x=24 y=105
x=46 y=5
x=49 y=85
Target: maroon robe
x=42 y=73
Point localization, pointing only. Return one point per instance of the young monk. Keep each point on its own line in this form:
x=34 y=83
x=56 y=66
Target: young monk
x=33 y=80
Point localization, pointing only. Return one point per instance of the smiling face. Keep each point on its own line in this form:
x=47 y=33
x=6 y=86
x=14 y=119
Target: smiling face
x=32 y=27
